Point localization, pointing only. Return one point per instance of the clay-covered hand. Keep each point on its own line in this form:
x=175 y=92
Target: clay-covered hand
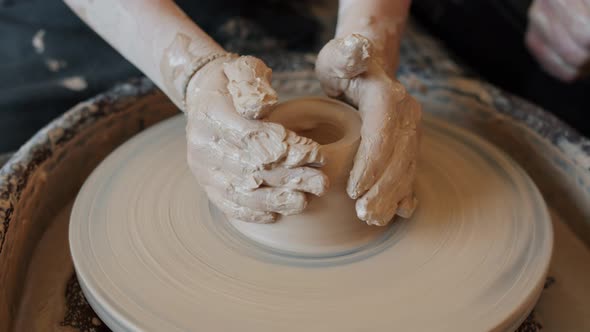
x=558 y=35
x=252 y=170
x=382 y=177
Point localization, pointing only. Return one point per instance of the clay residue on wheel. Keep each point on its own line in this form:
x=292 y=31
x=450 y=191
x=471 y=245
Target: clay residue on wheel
x=79 y=315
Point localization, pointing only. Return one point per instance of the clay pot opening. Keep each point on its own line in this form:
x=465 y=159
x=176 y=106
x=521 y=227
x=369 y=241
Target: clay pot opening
x=323 y=132
x=326 y=121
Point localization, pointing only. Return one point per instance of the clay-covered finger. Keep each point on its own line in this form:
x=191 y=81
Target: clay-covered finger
x=206 y=158
x=252 y=145
x=255 y=205
x=407 y=206
x=269 y=145
x=305 y=179
x=283 y=201
x=235 y=211
x=389 y=114
x=344 y=58
x=249 y=86
x=374 y=150
x=379 y=205
x=302 y=151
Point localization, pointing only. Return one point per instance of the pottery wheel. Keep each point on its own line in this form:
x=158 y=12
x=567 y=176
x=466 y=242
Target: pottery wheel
x=151 y=253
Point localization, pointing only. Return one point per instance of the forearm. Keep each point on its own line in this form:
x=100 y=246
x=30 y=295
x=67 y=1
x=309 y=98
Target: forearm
x=382 y=21
x=154 y=35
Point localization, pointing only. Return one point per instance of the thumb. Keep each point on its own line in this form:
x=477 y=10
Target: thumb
x=341 y=60
x=345 y=58
x=249 y=86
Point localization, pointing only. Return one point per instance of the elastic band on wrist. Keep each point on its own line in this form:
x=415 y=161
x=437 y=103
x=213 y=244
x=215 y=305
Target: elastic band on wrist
x=195 y=66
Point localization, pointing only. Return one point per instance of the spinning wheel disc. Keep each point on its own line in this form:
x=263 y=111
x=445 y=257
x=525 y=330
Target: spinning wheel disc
x=152 y=254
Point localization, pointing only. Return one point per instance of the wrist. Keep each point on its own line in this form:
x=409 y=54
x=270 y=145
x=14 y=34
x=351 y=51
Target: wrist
x=196 y=72
x=185 y=56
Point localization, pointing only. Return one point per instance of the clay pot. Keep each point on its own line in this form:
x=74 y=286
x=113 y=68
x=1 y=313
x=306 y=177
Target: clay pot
x=329 y=225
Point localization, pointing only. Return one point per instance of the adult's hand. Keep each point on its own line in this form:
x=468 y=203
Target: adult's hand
x=558 y=35
x=252 y=170
x=384 y=168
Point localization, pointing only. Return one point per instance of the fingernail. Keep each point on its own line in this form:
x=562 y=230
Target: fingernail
x=375 y=222
x=407 y=206
x=361 y=210
x=352 y=190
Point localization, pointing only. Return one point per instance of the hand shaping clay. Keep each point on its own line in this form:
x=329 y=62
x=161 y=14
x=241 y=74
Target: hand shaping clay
x=384 y=170
x=251 y=170
x=329 y=224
